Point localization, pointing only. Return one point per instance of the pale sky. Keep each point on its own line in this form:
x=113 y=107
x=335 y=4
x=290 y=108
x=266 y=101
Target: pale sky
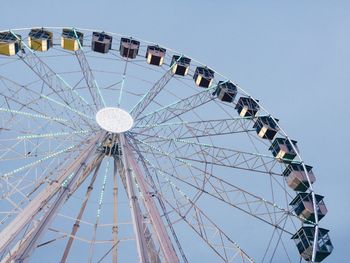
x=293 y=56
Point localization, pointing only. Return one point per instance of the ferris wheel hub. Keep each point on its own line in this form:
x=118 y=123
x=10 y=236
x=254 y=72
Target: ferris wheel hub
x=114 y=120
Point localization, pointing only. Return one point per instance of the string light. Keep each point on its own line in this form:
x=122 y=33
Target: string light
x=56 y=134
x=66 y=106
x=100 y=202
x=65 y=182
x=37 y=161
x=40 y=116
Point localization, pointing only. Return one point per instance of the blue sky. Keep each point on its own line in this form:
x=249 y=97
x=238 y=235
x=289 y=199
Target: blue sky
x=292 y=55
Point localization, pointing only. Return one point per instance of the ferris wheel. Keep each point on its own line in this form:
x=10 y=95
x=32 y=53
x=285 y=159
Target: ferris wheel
x=115 y=149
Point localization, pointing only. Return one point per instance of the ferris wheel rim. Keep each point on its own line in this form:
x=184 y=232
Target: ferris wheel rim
x=311 y=189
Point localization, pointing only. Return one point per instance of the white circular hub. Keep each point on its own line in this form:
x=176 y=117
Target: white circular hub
x=114 y=120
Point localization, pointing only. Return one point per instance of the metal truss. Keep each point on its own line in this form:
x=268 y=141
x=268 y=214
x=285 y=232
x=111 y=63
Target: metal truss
x=197 y=129
x=210 y=154
x=177 y=108
x=89 y=77
x=151 y=94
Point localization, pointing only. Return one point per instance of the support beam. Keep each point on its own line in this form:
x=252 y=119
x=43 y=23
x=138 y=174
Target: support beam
x=157 y=223
x=7 y=258
x=81 y=212
x=191 y=151
x=115 y=215
x=135 y=211
x=151 y=248
x=151 y=183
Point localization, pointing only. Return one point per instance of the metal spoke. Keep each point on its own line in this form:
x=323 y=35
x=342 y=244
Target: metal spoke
x=139 y=228
x=89 y=76
x=215 y=155
x=98 y=215
x=177 y=108
x=197 y=129
x=115 y=214
x=21 y=97
x=151 y=94
x=37 y=162
x=81 y=212
x=123 y=80
x=165 y=243
x=49 y=135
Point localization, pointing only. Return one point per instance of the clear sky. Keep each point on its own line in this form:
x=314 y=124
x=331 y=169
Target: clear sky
x=292 y=55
